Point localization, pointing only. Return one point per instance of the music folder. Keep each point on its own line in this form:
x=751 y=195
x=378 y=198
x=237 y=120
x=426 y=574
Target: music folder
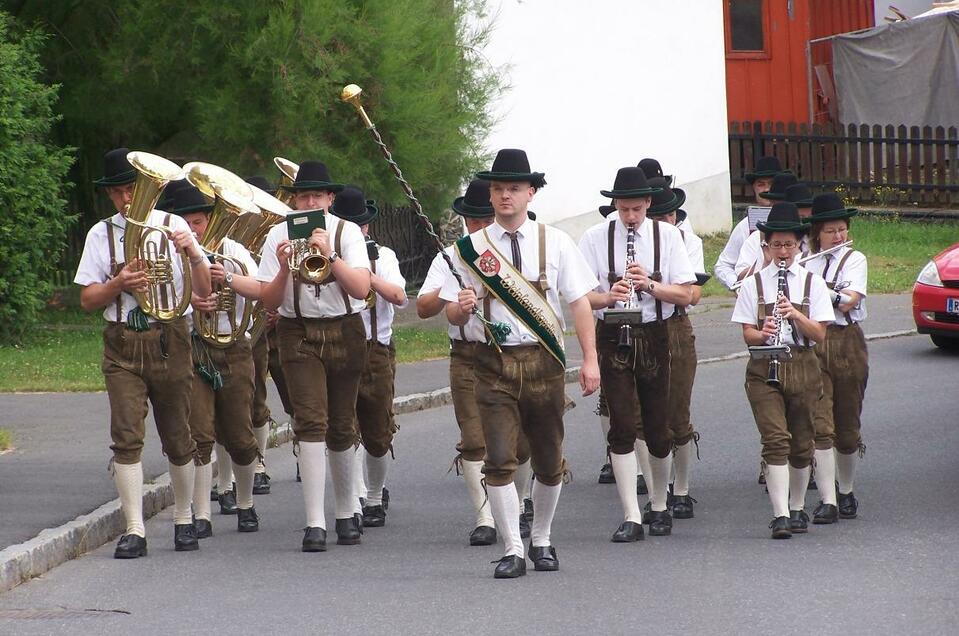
x=299 y=225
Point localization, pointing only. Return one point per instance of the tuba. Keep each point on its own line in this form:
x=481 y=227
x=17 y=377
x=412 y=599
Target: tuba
x=232 y=198
x=288 y=171
x=144 y=242
x=250 y=231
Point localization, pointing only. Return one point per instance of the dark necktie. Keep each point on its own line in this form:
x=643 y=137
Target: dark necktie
x=517 y=255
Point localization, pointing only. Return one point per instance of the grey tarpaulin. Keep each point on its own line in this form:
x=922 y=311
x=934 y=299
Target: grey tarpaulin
x=901 y=73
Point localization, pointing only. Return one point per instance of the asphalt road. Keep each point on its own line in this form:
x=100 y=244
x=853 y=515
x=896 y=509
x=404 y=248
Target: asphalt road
x=891 y=571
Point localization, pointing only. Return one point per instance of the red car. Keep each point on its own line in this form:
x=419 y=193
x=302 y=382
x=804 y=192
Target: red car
x=935 y=299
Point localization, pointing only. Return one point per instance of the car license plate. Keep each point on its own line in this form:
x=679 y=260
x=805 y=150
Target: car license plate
x=952 y=305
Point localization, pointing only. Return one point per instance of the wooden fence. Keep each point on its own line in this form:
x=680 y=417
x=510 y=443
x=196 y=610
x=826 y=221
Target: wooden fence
x=874 y=165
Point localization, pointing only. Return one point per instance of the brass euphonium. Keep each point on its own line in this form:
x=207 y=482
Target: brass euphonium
x=288 y=171
x=232 y=198
x=250 y=231
x=142 y=241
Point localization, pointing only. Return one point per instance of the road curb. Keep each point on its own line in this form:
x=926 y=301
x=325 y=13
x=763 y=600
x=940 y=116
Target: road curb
x=54 y=546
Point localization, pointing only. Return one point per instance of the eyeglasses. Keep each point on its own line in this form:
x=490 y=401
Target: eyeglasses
x=834 y=231
x=777 y=245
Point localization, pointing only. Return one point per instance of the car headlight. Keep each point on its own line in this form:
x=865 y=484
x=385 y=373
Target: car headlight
x=930 y=275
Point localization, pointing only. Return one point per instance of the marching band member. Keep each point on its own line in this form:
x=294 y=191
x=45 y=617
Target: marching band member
x=652 y=169
x=142 y=359
x=374 y=404
x=761 y=180
x=784 y=411
x=322 y=345
x=520 y=382
x=636 y=380
x=843 y=358
x=222 y=397
x=752 y=258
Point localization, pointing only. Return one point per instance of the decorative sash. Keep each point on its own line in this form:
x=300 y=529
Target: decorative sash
x=516 y=293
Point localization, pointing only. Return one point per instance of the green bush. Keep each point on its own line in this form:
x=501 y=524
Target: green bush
x=32 y=182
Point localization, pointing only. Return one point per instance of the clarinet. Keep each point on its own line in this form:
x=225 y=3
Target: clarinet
x=625 y=344
x=772 y=376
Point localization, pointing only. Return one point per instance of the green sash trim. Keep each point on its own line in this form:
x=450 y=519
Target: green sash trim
x=516 y=293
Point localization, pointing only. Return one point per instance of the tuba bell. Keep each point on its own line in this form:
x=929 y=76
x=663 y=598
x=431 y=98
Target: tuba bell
x=250 y=231
x=150 y=244
x=288 y=171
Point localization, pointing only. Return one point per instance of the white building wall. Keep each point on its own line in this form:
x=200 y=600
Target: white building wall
x=596 y=86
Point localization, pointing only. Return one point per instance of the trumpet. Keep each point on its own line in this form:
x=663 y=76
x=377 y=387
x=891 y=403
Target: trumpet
x=161 y=300
x=307 y=262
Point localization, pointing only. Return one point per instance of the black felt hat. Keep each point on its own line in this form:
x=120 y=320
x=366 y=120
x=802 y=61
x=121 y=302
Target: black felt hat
x=117 y=170
x=262 y=183
x=800 y=194
x=475 y=204
x=777 y=192
x=166 y=200
x=187 y=198
x=313 y=175
x=511 y=164
x=651 y=169
x=531 y=215
x=783 y=217
x=765 y=167
x=680 y=216
x=630 y=183
x=666 y=199
x=606 y=210
x=352 y=205
x=829 y=207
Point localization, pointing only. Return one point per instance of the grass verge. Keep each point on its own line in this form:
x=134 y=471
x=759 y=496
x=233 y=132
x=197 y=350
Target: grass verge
x=415 y=345
x=6 y=440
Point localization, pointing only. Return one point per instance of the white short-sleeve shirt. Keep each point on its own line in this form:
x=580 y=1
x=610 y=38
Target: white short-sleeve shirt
x=674 y=264
x=388 y=268
x=231 y=248
x=725 y=268
x=854 y=272
x=751 y=258
x=316 y=301
x=473 y=330
x=94 y=264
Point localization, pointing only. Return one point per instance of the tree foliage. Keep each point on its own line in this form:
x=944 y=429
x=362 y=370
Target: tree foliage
x=32 y=180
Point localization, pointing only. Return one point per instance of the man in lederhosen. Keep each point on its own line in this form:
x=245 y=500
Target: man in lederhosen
x=520 y=382
x=635 y=374
x=477 y=212
x=752 y=258
x=374 y=404
x=222 y=395
x=843 y=358
x=784 y=412
x=143 y=359
x=322 y=346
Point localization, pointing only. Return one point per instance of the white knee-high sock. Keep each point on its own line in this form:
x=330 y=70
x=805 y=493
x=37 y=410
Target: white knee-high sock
x=504 y=504
x=777 y=483
x=659 y=470
x=473 y=476
x=224 y=469
x=624 y=468
x=826 y=475
x=359 y=479
x=846 y=470
x=377 y=467
x=545 y=499
x=798 y=483
x=261 y=433
x=642 y=459
x=244 y=484
x=681 y=461
x=341 y=471
x=523 y=478
x=202 y=481
x=129 y=482
x=182 y=478
x=312 y=460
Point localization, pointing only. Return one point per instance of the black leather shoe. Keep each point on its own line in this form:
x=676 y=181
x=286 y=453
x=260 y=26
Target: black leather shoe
x=628 y=532
x=358 y=518
x=130 y=546
x=204 y=529
x=682 y=507
x=184 y=538
x=544 y=559
x=660 y=524
x=781 y=528
x=524 y=528
x=385 y=497
x=641 y=487
x=528 y=510
x=509 y=567
x=824 y=514
x=647 y=513
x=314 y=540
x=247 y=520
x=606 y=475
x=483 y=535
x=798 y=521
x=848 y=506
x=347 y=532
x=227 y=501
x=261 y=484
x=812 y=482
x=374 y=516
x=214 y=495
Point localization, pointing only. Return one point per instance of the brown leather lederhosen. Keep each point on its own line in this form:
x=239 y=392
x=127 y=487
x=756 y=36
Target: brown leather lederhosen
x=682 y=372
x=636 y=386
